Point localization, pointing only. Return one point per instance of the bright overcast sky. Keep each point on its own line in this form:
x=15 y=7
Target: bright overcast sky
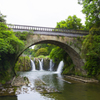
x=40 y=12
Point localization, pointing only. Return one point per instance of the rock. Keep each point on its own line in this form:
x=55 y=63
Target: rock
x=1 y=87
x=20 y=81
x=0 y=84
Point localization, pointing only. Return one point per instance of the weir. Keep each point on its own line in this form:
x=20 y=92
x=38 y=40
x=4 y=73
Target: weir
x=59 y=69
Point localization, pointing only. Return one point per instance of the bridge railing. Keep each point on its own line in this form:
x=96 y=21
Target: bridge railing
x=45 y=29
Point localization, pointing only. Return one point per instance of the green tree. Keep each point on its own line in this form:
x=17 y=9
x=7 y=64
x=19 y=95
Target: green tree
x=41 y=51
x=47 y=46
x=72 y=22
x=10 y=45
x=91 y=52
x=57 y=54
x=2 y=18
x=28 y=51
x=91 y=8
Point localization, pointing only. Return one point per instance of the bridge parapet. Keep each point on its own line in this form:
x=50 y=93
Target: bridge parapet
x=45 y=29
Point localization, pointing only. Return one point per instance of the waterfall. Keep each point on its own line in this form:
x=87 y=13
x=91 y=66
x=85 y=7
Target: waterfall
x=41 y=64
x=33 y=65
x=60 y=66
x=51 y=65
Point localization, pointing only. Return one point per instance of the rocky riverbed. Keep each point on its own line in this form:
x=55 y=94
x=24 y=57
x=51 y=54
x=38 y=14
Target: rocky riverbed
x=10 y=89
x=21 y=85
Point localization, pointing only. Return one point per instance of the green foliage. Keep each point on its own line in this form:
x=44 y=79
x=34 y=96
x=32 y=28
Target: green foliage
x=70 y=43
x=41 y=51
x=3 y=81
x=95 y=31
x=2 y=18
x=78 y=42
x=42 y=56
x=57 y=54
x=48 y=47
x=9 y=43
x=68 y=69
x=72 y=22
x=68 y=65
x=23 y=64
x=28 y=51
x=91 y=52
x=21 y=35
x=91 y=8
x=62 y=37
x=58 y=36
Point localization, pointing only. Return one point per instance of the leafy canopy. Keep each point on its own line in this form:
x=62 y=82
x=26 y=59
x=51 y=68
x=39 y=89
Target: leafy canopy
x=2 y=18
x=72 y=22
x=91 y=52
x=10 y=46
x=57 y=53
x=9 y=43
x=91 y=8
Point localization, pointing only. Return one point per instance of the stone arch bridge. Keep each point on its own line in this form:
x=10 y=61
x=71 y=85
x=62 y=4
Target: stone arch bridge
x=66 y=39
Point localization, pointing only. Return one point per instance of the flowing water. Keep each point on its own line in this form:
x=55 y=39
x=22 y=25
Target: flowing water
x=41 y=64
x=74 y=91
x=51 y=65
x=60 y=66
x=33 y=65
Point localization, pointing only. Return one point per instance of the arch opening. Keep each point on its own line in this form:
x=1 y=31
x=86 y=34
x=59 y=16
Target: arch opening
x=77 y=61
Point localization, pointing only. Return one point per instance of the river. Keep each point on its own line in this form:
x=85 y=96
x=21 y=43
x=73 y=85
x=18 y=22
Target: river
x=60 y=89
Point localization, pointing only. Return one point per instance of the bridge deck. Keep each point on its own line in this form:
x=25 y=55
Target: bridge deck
x=47 y=30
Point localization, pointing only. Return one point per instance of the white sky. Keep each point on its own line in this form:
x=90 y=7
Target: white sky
x=40 y=12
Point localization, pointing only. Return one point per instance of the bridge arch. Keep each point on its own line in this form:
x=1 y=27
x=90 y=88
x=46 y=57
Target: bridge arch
x=61 y=42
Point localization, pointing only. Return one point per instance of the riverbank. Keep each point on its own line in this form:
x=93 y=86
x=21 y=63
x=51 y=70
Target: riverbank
x=9 y=89
x=82 y=79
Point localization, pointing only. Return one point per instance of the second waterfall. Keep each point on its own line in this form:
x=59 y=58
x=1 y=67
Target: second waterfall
x=41 y=64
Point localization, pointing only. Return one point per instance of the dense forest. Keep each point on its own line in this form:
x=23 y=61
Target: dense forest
x=12 y=42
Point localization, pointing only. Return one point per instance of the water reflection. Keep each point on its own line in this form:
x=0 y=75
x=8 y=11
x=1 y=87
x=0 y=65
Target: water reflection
x=9 y=98
x=60 y=82
x=44 y=84
x=33 y=91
